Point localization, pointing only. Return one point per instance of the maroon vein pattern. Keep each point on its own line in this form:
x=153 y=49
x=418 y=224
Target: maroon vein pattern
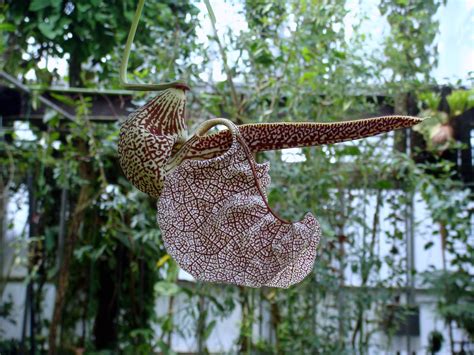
x=216 y=223
x=147 y=139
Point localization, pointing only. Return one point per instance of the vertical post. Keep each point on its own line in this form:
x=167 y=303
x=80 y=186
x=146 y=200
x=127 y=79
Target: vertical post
x=314 y=305
x=341 y=303
x=410 y=299
x=410 y=242
x=25 y=321
x=201 y=324
x=30 y=291
x=3 y=213
x=244 y=338
x=260 y=314
x=341 y=309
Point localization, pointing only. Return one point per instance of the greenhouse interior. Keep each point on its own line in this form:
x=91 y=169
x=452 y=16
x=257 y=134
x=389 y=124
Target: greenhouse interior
x=236 y=177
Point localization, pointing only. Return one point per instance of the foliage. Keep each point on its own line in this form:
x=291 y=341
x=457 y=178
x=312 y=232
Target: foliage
x=436 y=341
x=410 y=49
x=5 y=311
x=460 y=101
x=437 y=130
x=292 y=62
x=87 y=33
x=455 y=297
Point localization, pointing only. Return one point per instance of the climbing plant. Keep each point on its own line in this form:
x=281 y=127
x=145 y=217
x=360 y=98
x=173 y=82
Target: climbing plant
x=294 y=62
x=86 y=34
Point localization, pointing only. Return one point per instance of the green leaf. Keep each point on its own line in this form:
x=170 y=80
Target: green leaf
x=428 y=245
x=384 y=184
x=166 y=288
x=83 y=251
x=207 y=332
x=460 y=101
x=347 y=104
x=37 y=5
x=264 y=57
x=54 y=136
x=64 y=99
x=340 y=54
x=83 y=7
x=308 y=76
x=50 y=240
x=162 y=260
x=96 y=254
x=307 y=54
x=7 y=27
x=47 y=29
x=350 y=150
x=430 y=99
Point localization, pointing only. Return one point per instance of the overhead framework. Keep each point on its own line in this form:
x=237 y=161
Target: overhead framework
x=41 y=98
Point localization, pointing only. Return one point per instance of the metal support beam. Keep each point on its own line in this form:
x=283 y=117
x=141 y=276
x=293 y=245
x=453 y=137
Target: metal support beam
x=41 y=98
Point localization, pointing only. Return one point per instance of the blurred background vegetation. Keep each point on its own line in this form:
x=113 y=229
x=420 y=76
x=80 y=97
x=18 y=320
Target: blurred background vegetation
x=94 y=237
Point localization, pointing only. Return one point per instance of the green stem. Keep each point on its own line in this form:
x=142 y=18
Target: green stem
x=126 y=55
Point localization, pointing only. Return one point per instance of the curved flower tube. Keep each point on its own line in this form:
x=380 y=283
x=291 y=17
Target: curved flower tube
x=151 y=136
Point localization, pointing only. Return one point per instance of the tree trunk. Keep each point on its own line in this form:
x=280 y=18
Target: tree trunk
x=201 y=325
x=105 y=326
x=3 y=227
x=401 y=108
x=75 y=71
x=275 y=322
x=244 y=339
x=83 y=200
x=4 y=195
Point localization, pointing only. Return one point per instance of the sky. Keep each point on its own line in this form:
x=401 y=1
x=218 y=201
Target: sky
x=456 y=40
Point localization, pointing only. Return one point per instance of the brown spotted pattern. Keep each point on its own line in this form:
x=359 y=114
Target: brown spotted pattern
x=216 y=223
x=150 y=134
x=273 y=136
x=147 y=139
